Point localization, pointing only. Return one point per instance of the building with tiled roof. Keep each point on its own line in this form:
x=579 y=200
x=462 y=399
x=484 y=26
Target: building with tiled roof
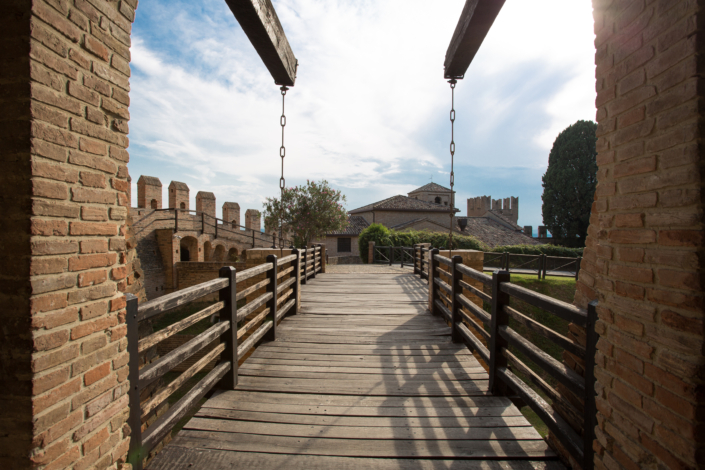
x=345 y=242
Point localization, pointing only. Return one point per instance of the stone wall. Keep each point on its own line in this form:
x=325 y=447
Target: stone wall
x=65 y=191
x=331 y=244
x=392 y=218
x=189 y=273
x=644 y=254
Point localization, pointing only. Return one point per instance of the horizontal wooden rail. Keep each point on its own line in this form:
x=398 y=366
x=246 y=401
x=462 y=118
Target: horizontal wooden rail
x=549 y=304
x=546 y=332
x=474 y=274
x=252 y=306
x=442 y=285
x=444 y=260
x=474 y=309
x=474 y=290
x=252 y=272
x=171 y=330
x=178 y=298
x=245 y=347
x=253 y=288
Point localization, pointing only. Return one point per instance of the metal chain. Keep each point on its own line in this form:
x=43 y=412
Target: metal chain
x=282 y=154
x=452 y=161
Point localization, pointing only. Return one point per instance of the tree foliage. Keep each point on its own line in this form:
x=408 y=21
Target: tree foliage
x=307 y=212
x=569 y=183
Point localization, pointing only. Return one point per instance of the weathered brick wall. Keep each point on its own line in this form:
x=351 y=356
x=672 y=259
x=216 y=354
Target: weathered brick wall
x=231 y=213
x=331 y=244
x=643 y=260
x=66 y=190
x=253 y=219
x=178 y=195
x=205 y=202
x=149 y=192
x=192 y=273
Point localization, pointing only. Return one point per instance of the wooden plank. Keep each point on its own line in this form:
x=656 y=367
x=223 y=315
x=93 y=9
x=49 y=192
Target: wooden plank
x=391 y=339
x=352 y=387
x=164 y=364
x=444 y=371
x=253 y=306
x=252 y=272
x=305 y=400
x=459 y=359
x=462 y=422
x=362 y=432
x=357 y=349
x=365 y=375
x=474 y=24
x=254 y=288
x=557 y=307
x=178 y=298
x=360 y=363
x=161 y=335
x=465 y=449
x=180 y=455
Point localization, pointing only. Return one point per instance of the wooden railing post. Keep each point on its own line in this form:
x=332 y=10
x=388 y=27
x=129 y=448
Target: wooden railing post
x=272 y=303
x=590 y=407
x=455 y=304
x=390 y=253
x=499 y=318
x=506 y=261
x=316 y=254
x=305 y=260
x=432 y=286
x=416 y=268
x=229 y=314
x=545 y=266
x=297 y=274
x=134 y=420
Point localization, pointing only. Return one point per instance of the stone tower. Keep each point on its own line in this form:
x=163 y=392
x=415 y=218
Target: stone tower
x=508 y=207
x=178 y=195
x=205 y=202
x=231 y=213
x=252 y=219
x=149 y=192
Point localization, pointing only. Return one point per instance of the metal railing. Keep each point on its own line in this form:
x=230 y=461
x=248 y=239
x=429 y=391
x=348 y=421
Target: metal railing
x=390 y=255
x=490 y=336
x=533 y=264
x=278 y=300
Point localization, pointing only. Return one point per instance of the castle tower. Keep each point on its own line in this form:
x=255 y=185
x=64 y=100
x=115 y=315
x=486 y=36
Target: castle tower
x=205 y=202
x=149 y=192
x=231 y=213
x=478 y=206
x=178 y=195
x=252 y=219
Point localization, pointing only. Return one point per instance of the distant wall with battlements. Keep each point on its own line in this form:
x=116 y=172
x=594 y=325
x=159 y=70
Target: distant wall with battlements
x=507 y=207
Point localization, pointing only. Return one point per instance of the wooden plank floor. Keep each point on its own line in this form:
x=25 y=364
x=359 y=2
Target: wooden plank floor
x=363 y=377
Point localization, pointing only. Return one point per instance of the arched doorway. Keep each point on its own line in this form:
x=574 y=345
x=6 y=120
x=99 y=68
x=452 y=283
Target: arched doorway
x=153 y=204
x=207 y=251
x=219 y=254
x=188 y=248
x=232 y=255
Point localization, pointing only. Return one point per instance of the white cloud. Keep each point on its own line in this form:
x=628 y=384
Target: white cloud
x=369 y=99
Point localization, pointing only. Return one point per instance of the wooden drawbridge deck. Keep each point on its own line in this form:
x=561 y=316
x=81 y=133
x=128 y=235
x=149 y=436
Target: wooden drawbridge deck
x=363 y=377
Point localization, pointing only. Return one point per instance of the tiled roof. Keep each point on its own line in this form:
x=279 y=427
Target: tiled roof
x=150 y=180
x=178 y=185
x=495 y=234
x=403 y=203
x=356 y=224
x=431 y=187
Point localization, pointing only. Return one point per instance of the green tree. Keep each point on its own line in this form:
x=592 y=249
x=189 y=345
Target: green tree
x=569 y=183
x=377 y=233
x=307 y=212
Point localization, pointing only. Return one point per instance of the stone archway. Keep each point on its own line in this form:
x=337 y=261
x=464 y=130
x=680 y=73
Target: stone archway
x=232 y=255
x=219 y=254
x=188 y=247
x=207 y=251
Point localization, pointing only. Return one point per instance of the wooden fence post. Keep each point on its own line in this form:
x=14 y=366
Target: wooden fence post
x=305 y=275
x=545 y=264
x=272 y=303
x=370 y=252
x=506 y=261
x=590 y=407
x=134 y=420
x=416 y=268
x=499 y=318
x=229 y=314
x=316 y=255
x=297 y=274
x=539 y=261
x=432 y=286
x=455 y=305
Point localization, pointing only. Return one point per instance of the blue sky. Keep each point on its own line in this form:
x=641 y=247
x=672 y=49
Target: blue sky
x=369 y=111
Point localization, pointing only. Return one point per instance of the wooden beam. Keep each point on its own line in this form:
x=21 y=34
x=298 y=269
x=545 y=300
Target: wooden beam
x=474 y=24
x=261 y=25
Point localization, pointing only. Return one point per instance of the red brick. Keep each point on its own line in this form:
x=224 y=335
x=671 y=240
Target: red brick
x=117 y=304
x=88 y=228
x=632 y=236
x=94 y=214
x=94 y=246
x=94 y=46
x=83 y=93
x=635 y=167
x=667 y=457
x=55 y=358
x=95 y=196
x=692 y=238
x=634 y=255
x=638 y=201
x=51 y=340
x=92 y=278
x=83 y=262
x=679 y=279
x=679 y=197
x=629 y=290
x=48 y=228
x=96 y=374
x=680 y=322
x=630 y=273
x=93 y=146
x=676 y=403
x=41 y=112
x=629 y=360
x=61 y=24
x=119 y=273
x=636 y=416
x=629 y=220
x=47 y=400
x=674 y=299
x=94 y=310
x=630 y=326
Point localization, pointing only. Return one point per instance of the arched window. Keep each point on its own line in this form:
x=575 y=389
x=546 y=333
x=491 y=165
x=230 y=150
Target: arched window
x=183 y=205
x=438 y=199
x=153 y=203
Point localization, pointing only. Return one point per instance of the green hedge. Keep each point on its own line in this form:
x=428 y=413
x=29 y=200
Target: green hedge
x=382 y=236
x=548 y=250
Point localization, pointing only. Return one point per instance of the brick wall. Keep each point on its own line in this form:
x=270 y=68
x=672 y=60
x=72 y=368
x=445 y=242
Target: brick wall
x=392 y=218
x=643 y=260
x=331 y=244
x=65 y=82
x=190 y=274
x=205 y=202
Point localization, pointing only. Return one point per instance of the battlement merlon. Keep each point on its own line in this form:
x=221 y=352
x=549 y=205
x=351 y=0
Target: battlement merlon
x=149 y=192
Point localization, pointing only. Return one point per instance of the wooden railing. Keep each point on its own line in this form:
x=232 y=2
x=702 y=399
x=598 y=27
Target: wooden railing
x=311 y=262
x=278 y=300
x=393 y=254
x=448 y=286
x=539 y=264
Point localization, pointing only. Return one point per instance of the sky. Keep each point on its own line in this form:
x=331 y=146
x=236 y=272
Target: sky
x=370 y=109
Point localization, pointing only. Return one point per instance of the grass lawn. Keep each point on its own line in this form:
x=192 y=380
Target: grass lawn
x=561 y=288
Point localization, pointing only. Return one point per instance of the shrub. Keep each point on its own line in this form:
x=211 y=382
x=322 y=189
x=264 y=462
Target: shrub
x=377 y=233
